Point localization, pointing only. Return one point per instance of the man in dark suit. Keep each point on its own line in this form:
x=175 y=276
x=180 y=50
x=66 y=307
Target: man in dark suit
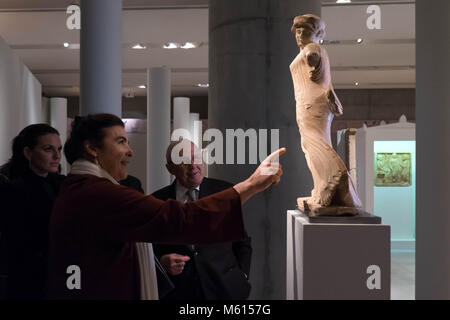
x=212 y=272
x=132 y=182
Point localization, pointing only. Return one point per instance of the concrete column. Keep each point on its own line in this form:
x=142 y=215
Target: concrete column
x=195 y=128
x=58 y=120
x=158 y=127
x=433 y=149
x=251 y=47
x=181 y=108
x=101 y=57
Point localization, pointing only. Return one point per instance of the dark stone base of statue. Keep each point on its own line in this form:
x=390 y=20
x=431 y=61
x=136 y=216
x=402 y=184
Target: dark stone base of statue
x=361 y=217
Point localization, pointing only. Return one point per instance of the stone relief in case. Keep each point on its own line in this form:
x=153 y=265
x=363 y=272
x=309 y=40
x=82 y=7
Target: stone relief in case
x=392 y=169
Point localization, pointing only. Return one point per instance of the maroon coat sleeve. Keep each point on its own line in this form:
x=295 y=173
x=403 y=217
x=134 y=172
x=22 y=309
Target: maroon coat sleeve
x=120 y=214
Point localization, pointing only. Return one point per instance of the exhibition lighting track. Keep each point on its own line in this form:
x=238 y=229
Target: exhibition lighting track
x=365 y=85
x=366 y=3
x=361 y=41
x=194 y=45
x=373 y=68
x=143 y=8
x=205 y=70
x=132 y=46
x=128 y=87
x=186 y=7
x=171 y=45
x=128 y=71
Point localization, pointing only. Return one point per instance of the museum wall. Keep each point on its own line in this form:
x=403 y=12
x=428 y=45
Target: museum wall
x=377 y=104
x=371 y=106
x=20 y=98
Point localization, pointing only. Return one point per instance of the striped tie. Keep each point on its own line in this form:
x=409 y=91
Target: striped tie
x=192 y=194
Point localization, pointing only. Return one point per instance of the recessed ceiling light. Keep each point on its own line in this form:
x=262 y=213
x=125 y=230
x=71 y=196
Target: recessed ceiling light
x=68 y=45
x=343 y=1
x=171 y=45
x=142 y=86
x=189 y=45
x=203 y=85
x=359 y=40
x=356 y=83
x=138 y=47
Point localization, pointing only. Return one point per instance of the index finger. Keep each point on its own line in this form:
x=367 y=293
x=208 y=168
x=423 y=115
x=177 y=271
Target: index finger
x=274 y=155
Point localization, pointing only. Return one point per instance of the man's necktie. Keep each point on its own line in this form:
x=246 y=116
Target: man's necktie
x=192 y=194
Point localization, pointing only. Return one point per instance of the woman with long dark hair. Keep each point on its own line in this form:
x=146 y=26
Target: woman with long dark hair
x=97 y=225
x=27 y=202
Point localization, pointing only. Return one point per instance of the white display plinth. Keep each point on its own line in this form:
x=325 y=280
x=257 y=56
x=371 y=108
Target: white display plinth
x=336 y=261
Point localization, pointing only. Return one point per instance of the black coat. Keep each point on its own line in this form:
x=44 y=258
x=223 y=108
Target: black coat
x=95 y=223
x=132 y=182
x=28 y=202
x=214 y=272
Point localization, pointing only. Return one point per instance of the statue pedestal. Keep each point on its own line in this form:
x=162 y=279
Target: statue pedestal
x=336 y=260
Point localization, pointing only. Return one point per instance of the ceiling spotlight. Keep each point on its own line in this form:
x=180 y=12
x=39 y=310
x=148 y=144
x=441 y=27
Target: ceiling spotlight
x=142 y=86
x=138 y=47
x=71 y=45
x=171 y=45
x=356 y=83
x=344 y=1
x=188 y=45
x=203 y=85
x=359 y=40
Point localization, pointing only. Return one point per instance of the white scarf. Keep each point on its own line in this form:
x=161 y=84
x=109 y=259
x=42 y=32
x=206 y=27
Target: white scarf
x=147 y=273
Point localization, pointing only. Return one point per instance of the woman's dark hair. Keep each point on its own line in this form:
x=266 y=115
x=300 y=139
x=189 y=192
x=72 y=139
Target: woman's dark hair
x=28 y=137
x=89 y=128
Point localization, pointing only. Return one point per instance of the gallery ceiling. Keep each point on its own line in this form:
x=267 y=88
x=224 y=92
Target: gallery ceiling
x=36 y=31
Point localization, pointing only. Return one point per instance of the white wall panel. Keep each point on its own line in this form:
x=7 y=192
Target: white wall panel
x=20 y=98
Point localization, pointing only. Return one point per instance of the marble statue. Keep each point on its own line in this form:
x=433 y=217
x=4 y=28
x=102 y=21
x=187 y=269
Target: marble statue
x=316 y=105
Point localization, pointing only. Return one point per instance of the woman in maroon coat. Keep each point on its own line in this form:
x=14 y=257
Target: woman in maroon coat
x=96 y=222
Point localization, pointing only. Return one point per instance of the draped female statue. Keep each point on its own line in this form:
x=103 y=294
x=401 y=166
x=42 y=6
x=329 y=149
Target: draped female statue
x=316 y=105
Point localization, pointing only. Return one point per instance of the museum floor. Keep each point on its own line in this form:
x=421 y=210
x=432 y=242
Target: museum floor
x=403 y=275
